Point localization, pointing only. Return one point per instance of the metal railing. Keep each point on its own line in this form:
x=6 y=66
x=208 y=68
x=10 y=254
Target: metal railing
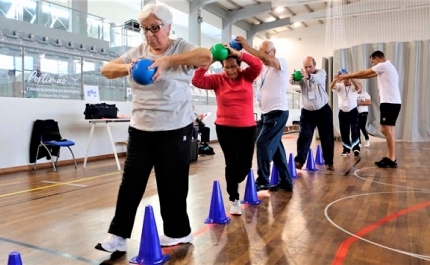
x=55 y=16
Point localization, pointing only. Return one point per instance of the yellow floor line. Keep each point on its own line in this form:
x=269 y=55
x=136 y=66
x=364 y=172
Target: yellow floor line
x=58 y=184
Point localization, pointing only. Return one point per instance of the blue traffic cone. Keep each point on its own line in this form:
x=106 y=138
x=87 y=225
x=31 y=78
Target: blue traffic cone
x=251 y=196
x=310 y=163
x=150 y=249
x=14 y=258
x=274 y=178
x=292 y=167
x=319 y=159
x=217 y=212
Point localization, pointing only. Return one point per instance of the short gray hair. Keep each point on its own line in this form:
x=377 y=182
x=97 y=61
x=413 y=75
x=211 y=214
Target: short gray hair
x=162 y=12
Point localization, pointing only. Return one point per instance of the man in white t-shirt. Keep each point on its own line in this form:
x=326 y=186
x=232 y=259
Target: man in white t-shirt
x=363 y=101
x=272 y=96
x=389 y=93
x=348 y=114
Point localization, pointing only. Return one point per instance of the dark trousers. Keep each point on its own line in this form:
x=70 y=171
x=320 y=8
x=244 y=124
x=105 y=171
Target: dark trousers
x=270 y=147
x=204 y=132
x=348 y=124
x=168 y=152
x=362 y=122
x=237 y=144
x=323 y=120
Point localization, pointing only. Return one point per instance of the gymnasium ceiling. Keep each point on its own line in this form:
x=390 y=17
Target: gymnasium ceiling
x=265 y=18
x=269 y=18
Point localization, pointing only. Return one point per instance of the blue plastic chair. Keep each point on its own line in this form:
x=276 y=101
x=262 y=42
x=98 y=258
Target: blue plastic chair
x=51 y=141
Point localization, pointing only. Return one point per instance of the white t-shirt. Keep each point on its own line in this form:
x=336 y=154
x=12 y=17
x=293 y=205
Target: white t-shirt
x=272 y=87
x=388 y=82
x=363 y=108
x=166 y=104
x=347 y=97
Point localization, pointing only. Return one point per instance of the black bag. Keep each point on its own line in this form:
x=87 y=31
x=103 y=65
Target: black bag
x=194 y=149
x=100 y=111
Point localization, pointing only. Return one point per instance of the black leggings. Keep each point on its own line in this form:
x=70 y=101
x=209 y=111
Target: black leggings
x=237 y=144
x=362 y=121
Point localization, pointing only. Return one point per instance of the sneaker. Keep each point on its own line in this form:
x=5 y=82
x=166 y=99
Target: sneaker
x=262 y=186
x=280 y=186
x=386 y=163
x=356 y=152
x=235 y=208
x=367 y=143
x=206 y=150
x=330 y=167
x=298 y=165
x=112 y=243
x=344 y=153
x=166 y=241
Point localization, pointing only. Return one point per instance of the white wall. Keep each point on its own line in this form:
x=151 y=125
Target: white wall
x=19 y=114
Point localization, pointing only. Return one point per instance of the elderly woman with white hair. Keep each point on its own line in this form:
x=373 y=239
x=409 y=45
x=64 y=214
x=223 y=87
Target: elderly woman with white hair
x=160 y=129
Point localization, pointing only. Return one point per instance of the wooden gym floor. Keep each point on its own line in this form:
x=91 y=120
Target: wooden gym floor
x=358 y=214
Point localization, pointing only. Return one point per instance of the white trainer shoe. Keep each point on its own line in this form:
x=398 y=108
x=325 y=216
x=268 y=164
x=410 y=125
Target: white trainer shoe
x=235 y=208
x=367 y=143
x=113 y=243
x=166 y=241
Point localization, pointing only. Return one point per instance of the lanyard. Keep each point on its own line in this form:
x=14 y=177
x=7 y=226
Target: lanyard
x=264 y=78
x=347 y=90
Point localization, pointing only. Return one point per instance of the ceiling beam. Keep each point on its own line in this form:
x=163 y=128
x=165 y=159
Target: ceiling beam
x=198 y=4
x=243 y=25
x=246 y=12
x=216 y=10
x=270 y=25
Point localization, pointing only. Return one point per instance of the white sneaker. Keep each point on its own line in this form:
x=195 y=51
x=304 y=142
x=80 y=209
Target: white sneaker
x=113 y=243
x=235 y=208
x=166 y=241
x=367 y=143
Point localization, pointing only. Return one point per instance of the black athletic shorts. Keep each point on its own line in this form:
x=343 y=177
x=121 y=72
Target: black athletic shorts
x=389 y=113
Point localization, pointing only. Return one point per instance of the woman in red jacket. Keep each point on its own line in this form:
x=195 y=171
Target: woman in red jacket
x=235 y=122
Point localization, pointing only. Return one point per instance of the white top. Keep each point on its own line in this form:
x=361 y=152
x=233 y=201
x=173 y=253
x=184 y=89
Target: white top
x=388 y=82
x=361 y=97
x=166 y=104
x=347 y=96
x=272 y=87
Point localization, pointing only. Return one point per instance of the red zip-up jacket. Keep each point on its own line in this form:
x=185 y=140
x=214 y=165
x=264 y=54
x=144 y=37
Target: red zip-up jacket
x=235 y=98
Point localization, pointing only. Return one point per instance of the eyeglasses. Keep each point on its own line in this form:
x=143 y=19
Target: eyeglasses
x=153 y=29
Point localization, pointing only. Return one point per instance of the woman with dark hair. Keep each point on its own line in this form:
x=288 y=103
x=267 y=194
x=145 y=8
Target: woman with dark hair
x=235 y=123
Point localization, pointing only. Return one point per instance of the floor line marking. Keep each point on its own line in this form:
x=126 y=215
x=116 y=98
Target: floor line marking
x=59 y=253
x=58 y=184
x=344 y=246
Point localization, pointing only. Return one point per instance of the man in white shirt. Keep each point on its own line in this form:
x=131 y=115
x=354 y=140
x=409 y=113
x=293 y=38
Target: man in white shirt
x=272 y=96
x=389 y=93
x=348 y=114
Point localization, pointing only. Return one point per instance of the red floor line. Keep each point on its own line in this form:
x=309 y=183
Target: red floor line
x=344 y=246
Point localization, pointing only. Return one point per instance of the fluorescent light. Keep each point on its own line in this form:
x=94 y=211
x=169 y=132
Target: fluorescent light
x=297 y=24
x=279 y=9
